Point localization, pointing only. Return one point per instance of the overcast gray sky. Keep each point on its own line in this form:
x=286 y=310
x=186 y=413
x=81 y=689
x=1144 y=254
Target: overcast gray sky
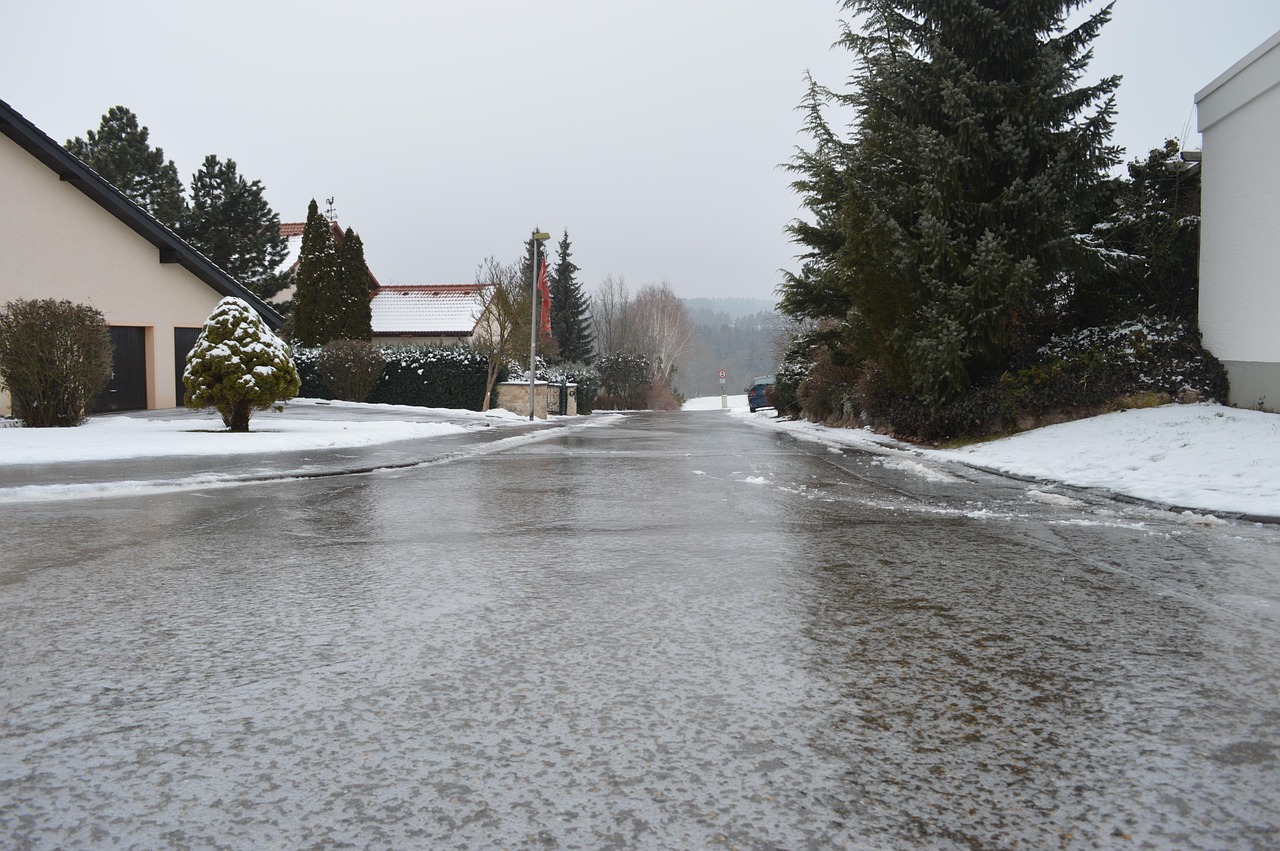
x=651 y=130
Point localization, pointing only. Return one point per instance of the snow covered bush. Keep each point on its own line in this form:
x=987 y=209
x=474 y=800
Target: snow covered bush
x=55 y=357
x=797 y=363
x=1093 y=366
x=238 y=366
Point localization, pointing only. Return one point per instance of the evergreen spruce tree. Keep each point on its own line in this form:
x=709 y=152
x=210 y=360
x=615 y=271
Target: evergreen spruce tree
x=355 y=321
x=570 y=320
x=317 y=300
x=231 y=223
x=1147 y=246
x=121 y=153
x=532 y=251
x=944 y=226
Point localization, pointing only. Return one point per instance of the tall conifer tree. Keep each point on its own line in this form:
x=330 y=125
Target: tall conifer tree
x=945 y=223
x=318 y=294
x=231 y=223
x=1148 y=246
x=570 y=320
x=121 y=152
x=355 y=321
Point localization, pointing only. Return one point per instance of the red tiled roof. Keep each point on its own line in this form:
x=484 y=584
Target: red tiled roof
x=292 y=232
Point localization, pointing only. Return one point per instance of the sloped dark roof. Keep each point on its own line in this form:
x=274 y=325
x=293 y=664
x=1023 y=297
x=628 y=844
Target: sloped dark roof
x=171 y=247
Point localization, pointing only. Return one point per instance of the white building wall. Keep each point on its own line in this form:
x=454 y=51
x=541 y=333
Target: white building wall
x=1239 y=117
x=57 y=243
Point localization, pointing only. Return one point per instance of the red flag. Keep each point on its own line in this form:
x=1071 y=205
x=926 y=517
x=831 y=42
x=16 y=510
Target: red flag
x=544 y=298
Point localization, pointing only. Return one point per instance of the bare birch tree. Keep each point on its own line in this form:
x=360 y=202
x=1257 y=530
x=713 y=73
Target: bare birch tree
x=662 y=327
x=609 y=307
x=502 y=333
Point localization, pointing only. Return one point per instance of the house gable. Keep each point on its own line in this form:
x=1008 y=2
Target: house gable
x=170 y=248
x=67 y=234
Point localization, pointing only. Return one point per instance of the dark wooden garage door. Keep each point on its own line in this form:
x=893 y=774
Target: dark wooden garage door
x=127 y=390
x=184 y=340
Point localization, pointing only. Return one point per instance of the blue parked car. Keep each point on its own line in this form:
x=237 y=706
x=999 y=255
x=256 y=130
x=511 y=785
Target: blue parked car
x=755 y=393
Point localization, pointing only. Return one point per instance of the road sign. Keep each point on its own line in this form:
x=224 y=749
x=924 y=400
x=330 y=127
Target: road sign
x=723 y=375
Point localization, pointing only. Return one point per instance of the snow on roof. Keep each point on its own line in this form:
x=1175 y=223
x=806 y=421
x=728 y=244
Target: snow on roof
x=427 y=309
x=292 y=253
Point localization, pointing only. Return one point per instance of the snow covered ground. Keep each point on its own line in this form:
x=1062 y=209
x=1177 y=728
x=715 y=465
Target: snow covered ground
x=1208 y=458
x=303 y=425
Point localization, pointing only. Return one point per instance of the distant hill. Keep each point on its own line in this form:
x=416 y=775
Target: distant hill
x=743 y=336
x=733 y=308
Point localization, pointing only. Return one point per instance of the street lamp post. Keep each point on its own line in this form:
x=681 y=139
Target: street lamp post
x=538 y=238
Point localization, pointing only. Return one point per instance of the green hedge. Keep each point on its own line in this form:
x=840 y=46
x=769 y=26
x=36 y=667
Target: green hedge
x=426 y=376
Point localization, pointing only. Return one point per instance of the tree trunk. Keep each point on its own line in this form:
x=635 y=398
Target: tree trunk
x=239 y=419
x=491 y=376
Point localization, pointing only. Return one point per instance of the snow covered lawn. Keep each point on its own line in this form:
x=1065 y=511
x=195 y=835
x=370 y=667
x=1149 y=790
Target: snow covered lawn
x=120 y=436
x=1209 y=458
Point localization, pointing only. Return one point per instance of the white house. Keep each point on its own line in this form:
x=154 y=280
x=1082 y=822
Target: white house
x=1239 y=117
x=66 y=233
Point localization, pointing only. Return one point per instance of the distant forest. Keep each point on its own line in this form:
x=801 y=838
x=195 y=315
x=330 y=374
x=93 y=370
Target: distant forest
x=743 y=336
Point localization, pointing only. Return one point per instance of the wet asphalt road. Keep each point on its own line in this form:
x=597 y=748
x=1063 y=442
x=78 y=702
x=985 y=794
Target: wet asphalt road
x=665 y=631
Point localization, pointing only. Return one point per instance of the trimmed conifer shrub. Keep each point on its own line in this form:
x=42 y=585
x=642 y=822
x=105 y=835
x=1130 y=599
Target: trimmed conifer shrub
x=238 y=366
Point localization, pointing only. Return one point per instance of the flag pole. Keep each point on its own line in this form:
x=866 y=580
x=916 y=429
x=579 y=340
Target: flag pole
x=538 y=237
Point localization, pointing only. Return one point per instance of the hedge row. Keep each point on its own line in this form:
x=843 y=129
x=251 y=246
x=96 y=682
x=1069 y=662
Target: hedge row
x=426 y=376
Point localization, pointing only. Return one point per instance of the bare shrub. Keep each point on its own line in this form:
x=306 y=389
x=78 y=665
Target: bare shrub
x=661 y=397
x=55 y=357
x=350 y=368
x=830 y=392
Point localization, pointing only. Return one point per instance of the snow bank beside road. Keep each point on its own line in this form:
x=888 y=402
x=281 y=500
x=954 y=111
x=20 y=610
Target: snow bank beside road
x=1209 y=458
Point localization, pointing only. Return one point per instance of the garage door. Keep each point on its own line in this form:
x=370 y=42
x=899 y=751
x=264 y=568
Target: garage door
x=127 y=389
x=184 y=340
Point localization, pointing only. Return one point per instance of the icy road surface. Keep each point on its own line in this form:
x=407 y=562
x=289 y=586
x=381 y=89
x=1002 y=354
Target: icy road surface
x=667 y=631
